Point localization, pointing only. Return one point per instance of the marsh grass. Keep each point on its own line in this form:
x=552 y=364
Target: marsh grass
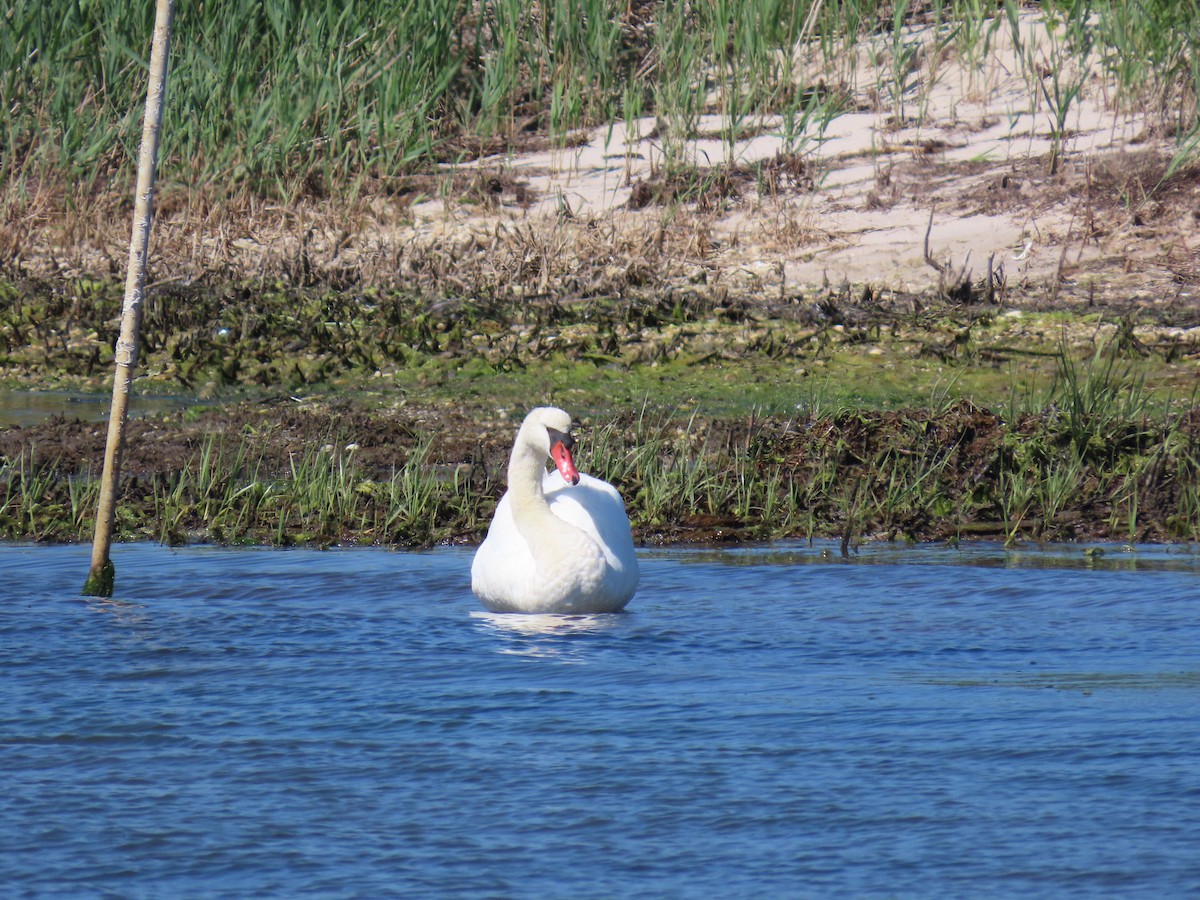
x=1101 y=442
x=1089 y=443
x=866 y=476
x=1056 y=60
x=320 y=496
x=1103 y=403
x=298 y=137
x=330 y=100
x=28 y=505
x=1093 y=462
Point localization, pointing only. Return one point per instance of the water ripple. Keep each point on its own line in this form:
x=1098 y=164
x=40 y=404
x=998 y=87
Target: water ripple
x=761 y=722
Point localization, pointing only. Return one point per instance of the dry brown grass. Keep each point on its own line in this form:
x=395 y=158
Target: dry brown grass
x=480 y=246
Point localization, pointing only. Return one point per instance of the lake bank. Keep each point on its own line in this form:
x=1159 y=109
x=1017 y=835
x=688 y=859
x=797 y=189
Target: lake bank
x=1095 y=464
x=936 y=279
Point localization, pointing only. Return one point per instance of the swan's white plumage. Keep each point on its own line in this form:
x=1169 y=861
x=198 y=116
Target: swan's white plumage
x=554 y=547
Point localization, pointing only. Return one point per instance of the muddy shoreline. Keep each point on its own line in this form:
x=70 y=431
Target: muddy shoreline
x=858 y=475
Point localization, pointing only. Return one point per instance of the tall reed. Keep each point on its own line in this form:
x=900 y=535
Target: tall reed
x=327 y=98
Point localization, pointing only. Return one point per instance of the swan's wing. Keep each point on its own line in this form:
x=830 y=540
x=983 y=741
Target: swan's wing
x=596 y=508
x=503 y=566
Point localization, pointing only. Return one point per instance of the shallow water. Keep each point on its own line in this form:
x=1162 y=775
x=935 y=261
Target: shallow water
x=764 y=722
x=25 y=408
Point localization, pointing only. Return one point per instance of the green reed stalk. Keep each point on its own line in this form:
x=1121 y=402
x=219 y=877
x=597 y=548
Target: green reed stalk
x=975 y=27
x=1099 y=399
x=679 y=87
x=287 y=100
x=1069 y=64
x=412 y=498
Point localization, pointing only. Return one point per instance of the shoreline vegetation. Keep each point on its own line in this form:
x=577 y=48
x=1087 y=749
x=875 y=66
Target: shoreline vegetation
x=524 y=149
x=362 y=286
x=954 y=473
x=338 y=102
x=397 y=419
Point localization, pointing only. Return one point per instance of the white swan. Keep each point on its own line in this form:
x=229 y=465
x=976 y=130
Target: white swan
x=560 y=541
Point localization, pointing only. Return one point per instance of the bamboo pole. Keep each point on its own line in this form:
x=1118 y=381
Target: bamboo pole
x=103 y=573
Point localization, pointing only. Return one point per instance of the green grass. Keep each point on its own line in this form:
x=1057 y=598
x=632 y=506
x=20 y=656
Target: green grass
x=1094 y=459
x=229 y=493
x=332 y=99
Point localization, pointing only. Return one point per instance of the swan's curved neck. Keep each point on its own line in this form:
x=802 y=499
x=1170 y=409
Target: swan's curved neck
x=531 y=511
x=526 y=469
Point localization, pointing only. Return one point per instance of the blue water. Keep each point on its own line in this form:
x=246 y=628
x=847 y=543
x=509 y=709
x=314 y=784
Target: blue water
x=767 y=722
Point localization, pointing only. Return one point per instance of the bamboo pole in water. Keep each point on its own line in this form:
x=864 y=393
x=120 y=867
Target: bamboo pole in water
x=102 y=574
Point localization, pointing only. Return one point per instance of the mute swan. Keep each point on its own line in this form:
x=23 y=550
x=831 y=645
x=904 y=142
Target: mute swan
x=560 y=541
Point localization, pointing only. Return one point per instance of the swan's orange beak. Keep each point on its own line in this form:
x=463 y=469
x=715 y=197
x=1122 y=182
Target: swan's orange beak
x=561 y=454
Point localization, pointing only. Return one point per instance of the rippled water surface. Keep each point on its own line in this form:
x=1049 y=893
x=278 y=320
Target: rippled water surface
x=762 y=723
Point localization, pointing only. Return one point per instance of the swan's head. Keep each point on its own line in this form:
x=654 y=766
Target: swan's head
x=547 y=430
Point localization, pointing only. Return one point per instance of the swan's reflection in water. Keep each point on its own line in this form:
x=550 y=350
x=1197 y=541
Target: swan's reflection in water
x=546 y=636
